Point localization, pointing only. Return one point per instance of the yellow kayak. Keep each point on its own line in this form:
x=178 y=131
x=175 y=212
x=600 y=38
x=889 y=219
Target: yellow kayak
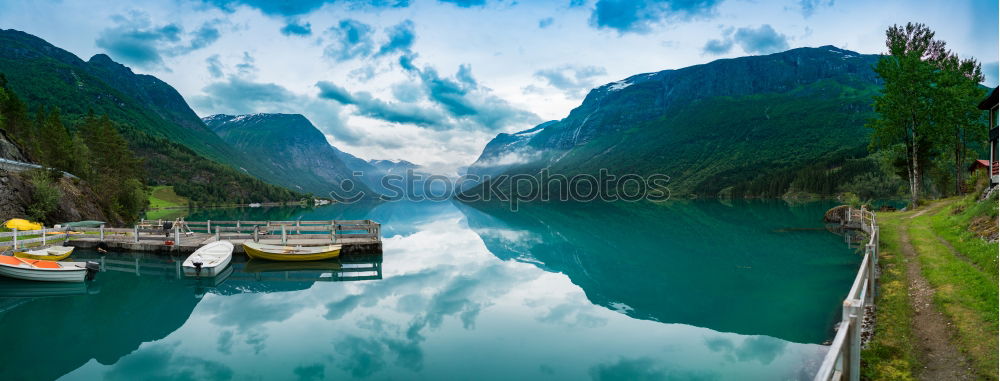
x=54 y=253
x=290 y=253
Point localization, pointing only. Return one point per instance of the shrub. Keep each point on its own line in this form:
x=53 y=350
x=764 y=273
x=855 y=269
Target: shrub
x=45 y=195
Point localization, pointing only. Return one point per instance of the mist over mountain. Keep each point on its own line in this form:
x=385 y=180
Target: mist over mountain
x=709 y=127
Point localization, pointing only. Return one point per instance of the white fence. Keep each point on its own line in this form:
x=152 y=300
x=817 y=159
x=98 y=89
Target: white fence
x=843 y=361
x=25 y=238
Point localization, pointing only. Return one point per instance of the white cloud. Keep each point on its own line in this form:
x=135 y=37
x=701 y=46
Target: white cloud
x=503 y=44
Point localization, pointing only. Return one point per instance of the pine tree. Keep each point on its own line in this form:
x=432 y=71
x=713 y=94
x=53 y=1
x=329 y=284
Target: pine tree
x=56 y=143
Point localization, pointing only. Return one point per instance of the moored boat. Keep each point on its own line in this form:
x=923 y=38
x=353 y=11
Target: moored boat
x=48 y=271
x=209 y=260
x=291 y=253
x=52 y=253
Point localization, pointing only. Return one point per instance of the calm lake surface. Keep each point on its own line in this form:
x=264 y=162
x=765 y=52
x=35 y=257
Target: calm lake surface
x=697 y=290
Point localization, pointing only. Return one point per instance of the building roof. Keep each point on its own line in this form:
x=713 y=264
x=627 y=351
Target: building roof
x=990 y=101
x=979 y=164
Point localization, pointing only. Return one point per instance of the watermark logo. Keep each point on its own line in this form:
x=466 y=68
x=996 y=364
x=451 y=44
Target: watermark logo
x=512 y=189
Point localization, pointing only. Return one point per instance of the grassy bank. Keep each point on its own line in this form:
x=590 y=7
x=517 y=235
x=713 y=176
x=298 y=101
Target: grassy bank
x=962 y=269
x=890 y=354
x=163 y=196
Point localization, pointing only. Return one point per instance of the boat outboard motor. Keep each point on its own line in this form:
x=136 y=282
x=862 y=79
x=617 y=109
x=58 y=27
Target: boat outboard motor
x=197 y=267
x=92 y=269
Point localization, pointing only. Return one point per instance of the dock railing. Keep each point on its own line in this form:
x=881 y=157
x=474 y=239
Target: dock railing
x=334 y=230
x=843 y=361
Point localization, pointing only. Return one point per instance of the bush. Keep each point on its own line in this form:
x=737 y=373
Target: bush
x=44 y=196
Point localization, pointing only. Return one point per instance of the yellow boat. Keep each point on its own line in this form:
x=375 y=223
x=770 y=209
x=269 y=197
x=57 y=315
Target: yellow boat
x=22 y=224
x=290 y=253
x=54 y=253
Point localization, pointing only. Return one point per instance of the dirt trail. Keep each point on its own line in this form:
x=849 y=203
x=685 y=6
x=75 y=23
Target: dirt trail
x=940 y=359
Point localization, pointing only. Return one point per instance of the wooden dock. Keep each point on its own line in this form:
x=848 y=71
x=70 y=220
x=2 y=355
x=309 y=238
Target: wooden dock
x=170 y=267
x=358 y=237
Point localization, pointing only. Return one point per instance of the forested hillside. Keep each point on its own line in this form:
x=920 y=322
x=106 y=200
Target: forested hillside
x=758 y=126
x=176 y=148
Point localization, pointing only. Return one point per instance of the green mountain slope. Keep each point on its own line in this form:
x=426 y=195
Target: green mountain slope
x=290 y=143
x=709 y=127
x=177 y=147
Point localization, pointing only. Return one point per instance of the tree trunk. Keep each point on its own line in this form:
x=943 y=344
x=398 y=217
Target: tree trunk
x=914 y=165
x=915 y=191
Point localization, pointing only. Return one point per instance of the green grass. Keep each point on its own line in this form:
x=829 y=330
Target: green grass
x=163 y=196
x=165 y=214
x=890 y=354
x=966 y=289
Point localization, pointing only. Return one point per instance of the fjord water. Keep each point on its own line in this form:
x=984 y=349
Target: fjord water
x=686 y=290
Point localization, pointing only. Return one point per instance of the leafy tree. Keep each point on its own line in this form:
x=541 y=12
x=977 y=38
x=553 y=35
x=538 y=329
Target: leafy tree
x=905 y=106
x=928 y=105
x=960 y=120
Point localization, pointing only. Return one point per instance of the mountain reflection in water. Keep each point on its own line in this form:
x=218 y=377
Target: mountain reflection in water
x=465 y=292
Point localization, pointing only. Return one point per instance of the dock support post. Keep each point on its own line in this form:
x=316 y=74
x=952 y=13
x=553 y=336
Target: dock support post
x=177 y=236
x=237 y=223
x=297 y=230
x=43 y=236
x=15 y=238
x=102 y=232
x=284 y=238
x=208 y=226
x=333 y=233
x=135 y=234
x=255 y=234
x=218 y=235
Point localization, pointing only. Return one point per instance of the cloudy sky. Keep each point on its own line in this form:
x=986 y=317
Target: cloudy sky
x=431 y=81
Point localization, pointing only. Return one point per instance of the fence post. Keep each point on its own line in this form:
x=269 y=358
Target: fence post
x=208 y=226
x=135 y=234
x=177 y=235
x=237 y=223
x=284 y=239
x=255 y=230
x=15 y=238
x=870 y=295
x=43 y=236
x=853 y=313
x=297 y=229
x=333 y=233
x=877 y=238
x=102 y=232
x=218 y=235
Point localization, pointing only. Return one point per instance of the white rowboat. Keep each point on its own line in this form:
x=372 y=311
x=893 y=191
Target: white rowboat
x=48 y=271
x=209 y=260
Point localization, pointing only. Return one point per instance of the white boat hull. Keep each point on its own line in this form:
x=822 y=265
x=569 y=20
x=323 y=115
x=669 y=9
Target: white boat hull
x=71 y=272
x=214 y=258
